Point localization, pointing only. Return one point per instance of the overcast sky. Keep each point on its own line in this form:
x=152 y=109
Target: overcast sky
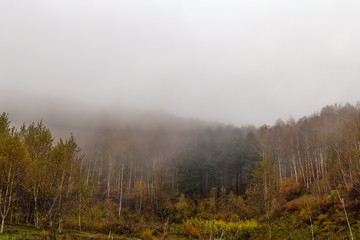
x=240 y=61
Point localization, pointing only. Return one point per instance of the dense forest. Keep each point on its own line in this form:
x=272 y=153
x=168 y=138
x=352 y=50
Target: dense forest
x=186 y=179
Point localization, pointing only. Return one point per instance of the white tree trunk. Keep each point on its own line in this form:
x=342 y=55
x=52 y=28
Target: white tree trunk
x=121 y=188
x=2 y=224
x=109 y=177
x=80 y=213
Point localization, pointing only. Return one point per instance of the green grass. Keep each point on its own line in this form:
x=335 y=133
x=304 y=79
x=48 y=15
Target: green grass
x=25 y=232
x=19 y=232
x=14 y=232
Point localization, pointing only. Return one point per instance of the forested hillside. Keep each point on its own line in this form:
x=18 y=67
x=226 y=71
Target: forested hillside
x=170 y=177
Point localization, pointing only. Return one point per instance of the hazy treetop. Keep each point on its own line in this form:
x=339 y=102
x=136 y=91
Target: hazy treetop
x=233 y=61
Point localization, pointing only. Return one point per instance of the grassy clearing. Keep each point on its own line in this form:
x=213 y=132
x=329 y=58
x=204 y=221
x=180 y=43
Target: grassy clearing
x=14 y=232
x=19 y=232
x=25 y=232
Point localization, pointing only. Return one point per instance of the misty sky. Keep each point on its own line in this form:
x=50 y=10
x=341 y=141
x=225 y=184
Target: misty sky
x=239 y=61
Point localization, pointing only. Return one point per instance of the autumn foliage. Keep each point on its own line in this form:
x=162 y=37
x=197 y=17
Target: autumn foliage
x=289 y=189
x=294 y=180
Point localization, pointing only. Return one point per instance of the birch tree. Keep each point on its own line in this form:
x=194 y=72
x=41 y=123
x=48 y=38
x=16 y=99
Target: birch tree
x=13 y=162
x=38 y=141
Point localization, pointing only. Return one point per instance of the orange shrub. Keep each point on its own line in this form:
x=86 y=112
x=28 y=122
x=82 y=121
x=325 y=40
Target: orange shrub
x=324 y=206
x=147 y=234
x=293 y=207
x=43 y=234
x=289 y=189
x=192 y=231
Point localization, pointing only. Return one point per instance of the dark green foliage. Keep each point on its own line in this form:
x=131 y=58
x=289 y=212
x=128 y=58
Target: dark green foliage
x=218 y=158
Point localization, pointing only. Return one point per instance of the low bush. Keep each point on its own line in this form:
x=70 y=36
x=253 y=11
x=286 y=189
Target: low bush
x=146 y=234
x=191 y=231
x=289 y=189
x=223 y=229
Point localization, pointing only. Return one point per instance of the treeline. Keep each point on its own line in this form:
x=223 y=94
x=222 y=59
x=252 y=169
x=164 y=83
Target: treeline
x=121 y=174
x=142 y=170
x=187 y=178
x=309 y=175
x=320 y=151
x=40 y=181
